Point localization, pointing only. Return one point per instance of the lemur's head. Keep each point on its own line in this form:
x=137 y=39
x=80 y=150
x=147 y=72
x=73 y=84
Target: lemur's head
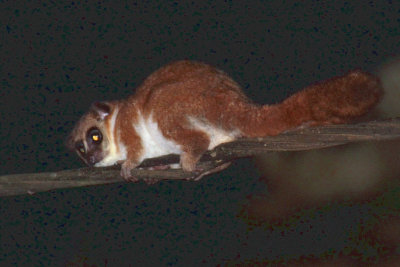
x=90 y=136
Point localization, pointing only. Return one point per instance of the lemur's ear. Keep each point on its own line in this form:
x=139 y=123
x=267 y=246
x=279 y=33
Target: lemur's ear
x=101 y=109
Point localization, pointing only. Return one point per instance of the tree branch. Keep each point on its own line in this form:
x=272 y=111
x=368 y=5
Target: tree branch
x=298 y=139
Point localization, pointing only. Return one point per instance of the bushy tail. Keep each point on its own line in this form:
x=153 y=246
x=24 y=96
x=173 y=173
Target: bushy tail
x=337 y=100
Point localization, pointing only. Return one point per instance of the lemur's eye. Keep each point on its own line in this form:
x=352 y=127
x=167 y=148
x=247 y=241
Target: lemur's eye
x=95 y=135
x=80 y=147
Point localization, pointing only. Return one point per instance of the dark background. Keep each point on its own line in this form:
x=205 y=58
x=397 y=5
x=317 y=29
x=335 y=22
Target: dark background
x=59 y=57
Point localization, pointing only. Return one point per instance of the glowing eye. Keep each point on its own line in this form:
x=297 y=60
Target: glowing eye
x=82 y=150
x=95 y=137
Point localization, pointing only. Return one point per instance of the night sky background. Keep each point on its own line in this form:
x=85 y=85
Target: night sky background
x=57 y=57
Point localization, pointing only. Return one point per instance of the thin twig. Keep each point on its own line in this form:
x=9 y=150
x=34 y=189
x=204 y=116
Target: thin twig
x=299 y=139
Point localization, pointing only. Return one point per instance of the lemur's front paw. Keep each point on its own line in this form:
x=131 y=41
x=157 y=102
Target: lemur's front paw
x=126 y=169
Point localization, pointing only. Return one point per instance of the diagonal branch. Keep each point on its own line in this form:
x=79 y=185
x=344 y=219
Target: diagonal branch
x=298 y=139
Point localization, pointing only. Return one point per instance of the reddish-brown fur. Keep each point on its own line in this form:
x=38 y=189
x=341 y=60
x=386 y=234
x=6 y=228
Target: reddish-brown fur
x=188 y=88
x=191 y=89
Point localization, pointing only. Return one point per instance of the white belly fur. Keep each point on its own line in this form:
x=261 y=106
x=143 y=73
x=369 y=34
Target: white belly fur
x=217 y=135
x=153 y=141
